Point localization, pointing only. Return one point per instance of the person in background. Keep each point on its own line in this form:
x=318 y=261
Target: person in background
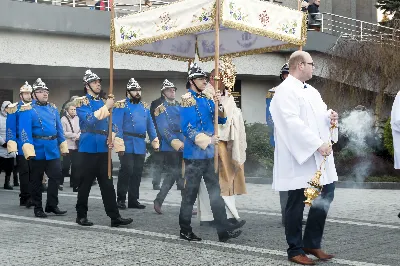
x=42 y=139
x=132 y=120
x=168 y=122
x=157 y=166
x=314 y=19
x=14 y=144
x=6 y=159
x=72 y=132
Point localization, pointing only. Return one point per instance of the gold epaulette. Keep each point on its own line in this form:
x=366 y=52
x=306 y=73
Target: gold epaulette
x=208 y=95
x=159 y=110
x=188 y=100
x=25 y=107
x=146 y=105
x=120 y=104
x=81 y=101
x=12 y=108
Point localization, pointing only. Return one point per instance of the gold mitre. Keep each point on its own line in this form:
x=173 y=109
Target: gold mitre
x=227 y=72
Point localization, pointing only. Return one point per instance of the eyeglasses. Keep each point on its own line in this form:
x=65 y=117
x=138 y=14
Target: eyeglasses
x=311 y=64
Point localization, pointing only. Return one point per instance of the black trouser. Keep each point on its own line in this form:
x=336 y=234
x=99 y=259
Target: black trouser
x=129 y=177
x=24 y=179
x=315 y=221
x=7 y=166
x=66 y=165
x=194 y=171
x=173 y=170
x=157 y=167
x=73 y=158
x=52 y=168
x=283 y=197
x=95 y=165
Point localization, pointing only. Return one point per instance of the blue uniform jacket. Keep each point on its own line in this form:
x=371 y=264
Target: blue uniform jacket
x=93 y=122
x=12 y=124
x=270 y=122
x=41 y=121
x=169 y=124
x=133 y=119
x=197 y=116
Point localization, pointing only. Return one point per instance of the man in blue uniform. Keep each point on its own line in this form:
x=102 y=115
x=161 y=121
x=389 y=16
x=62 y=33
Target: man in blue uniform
x=132 y=119
x=169 y=125
x=93 y=113
x=14 y=145
x=42 y=139
x=197 y=122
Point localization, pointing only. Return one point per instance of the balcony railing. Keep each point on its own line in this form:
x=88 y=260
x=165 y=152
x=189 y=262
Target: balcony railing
x=352 y=28
x=323 y=22
x=121 y=6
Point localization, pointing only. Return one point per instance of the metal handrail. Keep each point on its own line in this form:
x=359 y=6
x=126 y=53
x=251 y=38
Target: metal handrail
x=353 y=28
x=120 y=5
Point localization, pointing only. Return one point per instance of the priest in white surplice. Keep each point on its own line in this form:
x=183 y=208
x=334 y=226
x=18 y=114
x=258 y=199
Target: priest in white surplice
x=395 y=123
x=302 y=135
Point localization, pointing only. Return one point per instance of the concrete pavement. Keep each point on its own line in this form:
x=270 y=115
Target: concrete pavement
x=362 y=229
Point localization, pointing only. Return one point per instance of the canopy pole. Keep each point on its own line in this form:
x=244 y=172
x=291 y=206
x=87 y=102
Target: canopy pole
x=216 y=78
x=110 y=94
x=299 y=8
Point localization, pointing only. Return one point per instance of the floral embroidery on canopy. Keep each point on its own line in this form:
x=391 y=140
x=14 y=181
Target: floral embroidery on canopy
x=264 y=18
x=127 y=33
x=236 y=13
x=288 y=27
x=166 y=22
x=205 y=16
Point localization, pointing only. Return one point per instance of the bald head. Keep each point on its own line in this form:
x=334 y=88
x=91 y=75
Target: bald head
x=301 y=65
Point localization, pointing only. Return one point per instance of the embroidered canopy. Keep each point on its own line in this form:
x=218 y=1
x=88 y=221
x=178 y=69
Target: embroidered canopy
x=181 y=29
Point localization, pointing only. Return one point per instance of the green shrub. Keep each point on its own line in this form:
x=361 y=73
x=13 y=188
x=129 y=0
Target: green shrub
x=388 y=137
x=259 y=153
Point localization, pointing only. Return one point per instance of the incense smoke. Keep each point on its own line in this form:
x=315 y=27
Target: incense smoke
x=358 y=127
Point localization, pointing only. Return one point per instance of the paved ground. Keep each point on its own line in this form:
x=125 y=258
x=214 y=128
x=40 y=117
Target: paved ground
x=363 y=229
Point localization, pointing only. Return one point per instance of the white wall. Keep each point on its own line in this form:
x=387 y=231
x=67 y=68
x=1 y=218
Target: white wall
x=253 y=100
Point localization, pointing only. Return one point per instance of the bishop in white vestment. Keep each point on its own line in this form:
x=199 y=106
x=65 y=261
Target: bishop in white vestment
x=302 y=136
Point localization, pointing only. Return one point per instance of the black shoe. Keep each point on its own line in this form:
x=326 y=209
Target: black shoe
x=83 y=221
x=22 y=202
x=398 y=215
x=121 y=205
x=136 y=205
x=233 y=220
x=157 y=207
x=29 y=203
x=54 y=210
x=121 y=221
x=40 y=214
x=189 y=236
x=75 y=189
x=207 y=223
x=231 y=227
x=8 y=186
x=61 y=187
x=156 y=187
x=225 y=236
